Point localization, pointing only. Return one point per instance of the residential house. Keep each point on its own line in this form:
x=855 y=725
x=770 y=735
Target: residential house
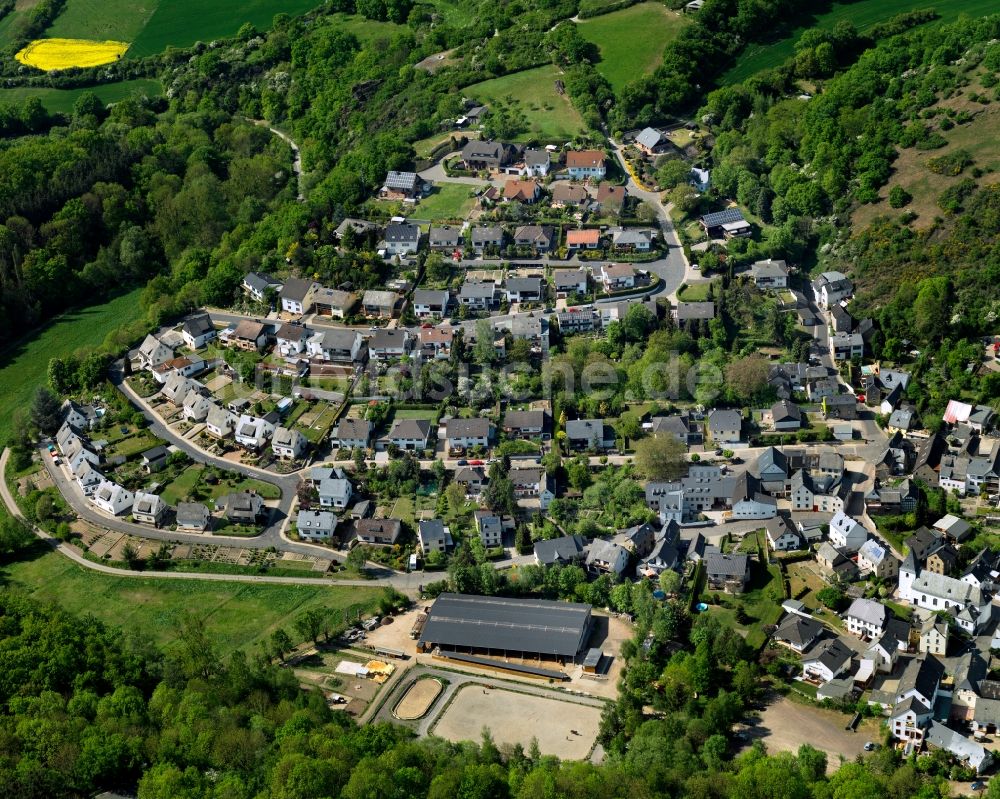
x=430 y=302
x=616 y=277
x=524 y=289
x=923 y=542
x=590 y=434
x=569 y=281
x=928 y=461
x=845 y=346
x=436 y=342
x=463 y=434
x=606 y=557
x=148 y=508
x=568 y=195
x=253 y=432
x=490 y=528
x=360 y=227
x=88 y=478
x=829 y=661
x=152 y=352
x=192 y=517
x=112 y=498
x=834 y=563
x=291 y=339
x=930 y=591
x=830 y=288
x=867 y=618
x=353 y=433
x=983 y=570
x=472 y=479
x=966 y=751
x=934 y=636
x=478 y=295
x=389 y=343
x=943 y=560
x=650 y=141
x=380 y=303
x=841 y=406
x=258 y=284
x=728 y=572
x=781 y=536
x=565 y=550
x=747 y=501
x=536 y=163
x=334 y=303
x=434 y=536
x=577 y=320
x=289 y=444
x=296 y=295
x=540 y=238
x=82 y=417
x=410 y=434
x=770 y=274
x=725 y=426
x=631 y=240
x=916 y=694
x=155 y=459
x=786 y=416
x=401 y=186
x=798 y=633
x=378 y=532
x=846 y=534
x=249 y=335
x=585 y=164
x=243 y=507
x=689 y=315
x=316 y=525
x=402 y=238
x=335 y=492
x=725 y=224
x=583 y=239
x=521 y=191
x=875 y=558
x=487 y=236
x=219 y=422
x=527 y=425
x=841 y=320
x=681 y=426
x=532 y=483
x=198 y=330
x=185 y=366
x=480 y=155
x=444 y=238
x=610 y=199
x=338 y=344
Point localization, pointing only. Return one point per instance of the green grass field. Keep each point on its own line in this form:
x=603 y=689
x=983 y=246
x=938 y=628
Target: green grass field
x=176 y=490
x=863 y=14
x=237 y=615
x=24 y=365
x=181 y=23
x=118 y=20
x=631 y=41
x=550 y=116
x=447 y=201
x=364 y=29
x=62 y=100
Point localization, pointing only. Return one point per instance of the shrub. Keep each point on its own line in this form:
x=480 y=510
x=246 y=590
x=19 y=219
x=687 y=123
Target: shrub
x=898 y=197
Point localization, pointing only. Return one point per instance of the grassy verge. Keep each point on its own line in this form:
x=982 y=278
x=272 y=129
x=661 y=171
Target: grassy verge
x=237 y=615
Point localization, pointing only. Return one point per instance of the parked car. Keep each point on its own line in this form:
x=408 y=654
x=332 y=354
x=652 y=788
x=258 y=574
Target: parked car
x=871 y=746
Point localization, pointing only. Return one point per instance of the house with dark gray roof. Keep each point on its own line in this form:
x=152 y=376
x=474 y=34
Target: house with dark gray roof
x=444 y=237
x=797 y=632
x=725 y=426
x=484 y=236
x=828 y=662
x=590 y=434
x=564 y=550
x=402 y=238
x=727 y=571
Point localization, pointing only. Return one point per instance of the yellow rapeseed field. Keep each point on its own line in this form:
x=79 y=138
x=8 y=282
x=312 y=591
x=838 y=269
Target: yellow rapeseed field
x=49 y=54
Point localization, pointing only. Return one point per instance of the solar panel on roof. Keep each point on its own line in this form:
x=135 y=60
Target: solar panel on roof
x=722 y=217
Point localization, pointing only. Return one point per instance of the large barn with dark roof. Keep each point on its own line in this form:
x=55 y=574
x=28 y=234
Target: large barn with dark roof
x=501 y=626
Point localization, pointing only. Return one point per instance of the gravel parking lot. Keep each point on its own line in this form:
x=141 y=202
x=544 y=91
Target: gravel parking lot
x=785 y=725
